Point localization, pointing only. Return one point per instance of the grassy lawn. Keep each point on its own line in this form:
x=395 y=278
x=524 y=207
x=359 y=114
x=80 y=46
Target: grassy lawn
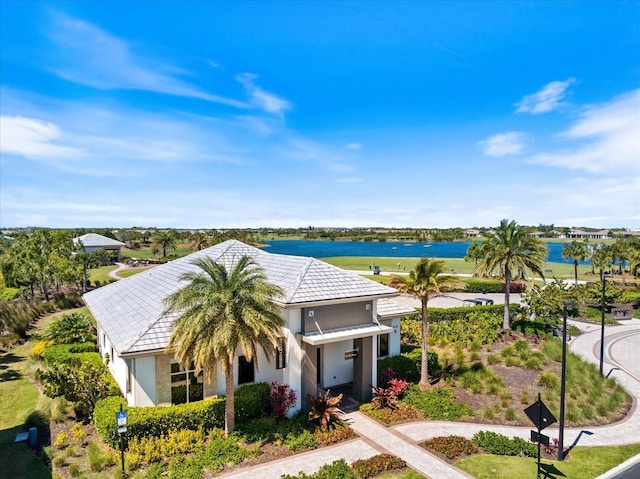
x=145 y=252
x=19 y=397
x=582 y=463
x=101 y=274
x=125 y=273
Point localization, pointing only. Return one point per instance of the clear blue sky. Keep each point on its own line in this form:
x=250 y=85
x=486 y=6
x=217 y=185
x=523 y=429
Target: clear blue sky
x=285 y=114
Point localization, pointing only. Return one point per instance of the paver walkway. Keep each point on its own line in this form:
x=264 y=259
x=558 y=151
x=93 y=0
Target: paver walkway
x=621 y=346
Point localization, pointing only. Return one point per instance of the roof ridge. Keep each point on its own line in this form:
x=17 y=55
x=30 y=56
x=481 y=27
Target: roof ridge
x=144 y=331
x=300 y=277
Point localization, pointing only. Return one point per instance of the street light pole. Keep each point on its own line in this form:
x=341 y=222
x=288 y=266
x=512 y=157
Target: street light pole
x=602 y=305
x=563 y=380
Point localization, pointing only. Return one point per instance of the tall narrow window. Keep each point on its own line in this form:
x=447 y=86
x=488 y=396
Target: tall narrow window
x=185 y=385
x=245 y=371
x=281 y=354
x=383 y=345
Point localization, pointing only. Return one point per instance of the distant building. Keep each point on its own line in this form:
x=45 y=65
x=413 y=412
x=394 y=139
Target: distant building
x=93 y=242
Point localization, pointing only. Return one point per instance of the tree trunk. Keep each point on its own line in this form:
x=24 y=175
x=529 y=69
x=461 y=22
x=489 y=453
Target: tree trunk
x=507 y=294
x=575 y=271
x=424 y=360
x=229 y=408
x=45 y=290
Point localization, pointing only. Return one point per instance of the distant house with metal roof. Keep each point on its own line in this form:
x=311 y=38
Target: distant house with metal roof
x=337 y=325
x=93 y=242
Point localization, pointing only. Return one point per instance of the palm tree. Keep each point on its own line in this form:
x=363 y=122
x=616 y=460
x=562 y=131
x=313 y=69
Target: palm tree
x=474 y=252
x=221 y=309
x=425 y=282
x=200 y=241
x=163 y=240
x=575 y=251
x=511 y=249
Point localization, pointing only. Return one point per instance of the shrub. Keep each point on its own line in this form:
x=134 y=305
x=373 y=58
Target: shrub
x=336 y=470
x=436 y=404
x=548 y=379
x=72 y=354
x=71 y=328
x=38 y=350
x=494 y=443
x=173 y=443
x=78 y=433
x=451 y=447
x=402 y=412
x=324 y=407
x=60 y=440
x=482 y=286
x=302 y=441
x=282 y=398
x=74 y=470
x=96 y=457
x=511 y=414
x=336 y=432
x=376 y=465
x=59 y=460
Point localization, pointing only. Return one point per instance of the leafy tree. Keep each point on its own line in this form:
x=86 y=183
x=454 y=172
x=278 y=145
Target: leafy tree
x=163 y=241
x=508 y=250
x=220 y=310
x=575 y=251
x=426 y=281
x=475 y=252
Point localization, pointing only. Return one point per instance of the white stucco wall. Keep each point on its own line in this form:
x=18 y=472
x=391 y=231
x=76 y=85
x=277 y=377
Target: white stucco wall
x=292 y=374
x=336 y=369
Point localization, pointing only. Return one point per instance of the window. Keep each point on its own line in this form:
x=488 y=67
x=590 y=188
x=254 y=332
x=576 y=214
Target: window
x=185 y=385
x=383 y=345
x=245 y=371
x=281 y=353
x=129 y=363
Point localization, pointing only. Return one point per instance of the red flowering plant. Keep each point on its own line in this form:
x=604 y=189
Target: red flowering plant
x=387 y=397
x=282 y=398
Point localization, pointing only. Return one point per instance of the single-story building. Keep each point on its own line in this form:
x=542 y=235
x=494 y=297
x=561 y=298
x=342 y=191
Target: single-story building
x=337 y=325
x=93 y=242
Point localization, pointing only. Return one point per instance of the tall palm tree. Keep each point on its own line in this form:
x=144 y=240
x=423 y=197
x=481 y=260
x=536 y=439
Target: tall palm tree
x=575 y=251
x=221 y=309
x=425 y=282
x=511 y=249
x=163 y=241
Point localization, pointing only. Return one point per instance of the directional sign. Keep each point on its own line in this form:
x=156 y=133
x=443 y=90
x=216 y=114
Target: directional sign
x=351 y=354
x=539 y=438
x=540 y=415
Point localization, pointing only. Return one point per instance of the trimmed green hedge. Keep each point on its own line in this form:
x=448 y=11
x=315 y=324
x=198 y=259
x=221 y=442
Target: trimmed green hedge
x=482 y=286
x=494 y=443
x=72 y=354
x=251 y=401
x=449 y=314
x=407 y=365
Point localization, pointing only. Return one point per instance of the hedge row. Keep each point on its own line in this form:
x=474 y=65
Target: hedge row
x=407 y=365
x=72 y=354
x=449 y=314
x=482 y=286
x=251 y=401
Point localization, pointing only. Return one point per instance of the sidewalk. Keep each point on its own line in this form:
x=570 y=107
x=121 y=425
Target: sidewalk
x=621 y=346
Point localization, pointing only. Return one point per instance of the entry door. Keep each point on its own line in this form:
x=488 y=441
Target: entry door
x=319 y=366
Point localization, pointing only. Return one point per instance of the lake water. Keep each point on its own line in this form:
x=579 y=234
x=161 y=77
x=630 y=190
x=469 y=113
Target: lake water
x=326 y=249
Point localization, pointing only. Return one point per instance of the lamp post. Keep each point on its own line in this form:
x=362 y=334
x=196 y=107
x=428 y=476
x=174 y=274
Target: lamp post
x=602 y=305
x=563 y=379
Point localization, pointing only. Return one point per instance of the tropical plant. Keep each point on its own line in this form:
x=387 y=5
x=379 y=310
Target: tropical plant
x=282 y=398
x=163 y=241
x=71 y=328
x=511 y=250
x=426 y=282
x=220 y=310
x=575 y=251
x=324 y=407
x=200 y=241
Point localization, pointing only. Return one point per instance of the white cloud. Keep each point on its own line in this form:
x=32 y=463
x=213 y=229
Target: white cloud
x=503 y=144
x=88 y=55
x=353 y=146
x=259 y=98
x=33 y=138
x=546 y=100
x=605 y=139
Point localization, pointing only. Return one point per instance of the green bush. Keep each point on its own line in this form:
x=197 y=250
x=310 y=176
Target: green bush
x=437 y=315
x=251 y=401
x=479 y=327
x=71 y=354
x=436 y=404
x=494 y=443
x=376 y=465
x=336 y=470
x=7 y=294
x=452 y=447
x=482 y=286
x=407 y=365
x=71 y=328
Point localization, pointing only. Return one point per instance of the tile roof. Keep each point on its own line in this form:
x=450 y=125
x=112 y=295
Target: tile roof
x=130 y=311
x=93 y=240
x=388 y=308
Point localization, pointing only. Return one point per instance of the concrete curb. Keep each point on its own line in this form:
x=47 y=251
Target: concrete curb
x=612 y=473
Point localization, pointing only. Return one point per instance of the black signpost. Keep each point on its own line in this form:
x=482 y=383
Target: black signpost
x=541 y=417
x=121 y=421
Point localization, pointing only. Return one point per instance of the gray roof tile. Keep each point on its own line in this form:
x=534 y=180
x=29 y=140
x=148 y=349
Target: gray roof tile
x=131 y=310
